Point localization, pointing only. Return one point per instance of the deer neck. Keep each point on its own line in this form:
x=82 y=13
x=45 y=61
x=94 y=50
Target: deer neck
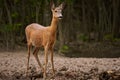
x=53 y=25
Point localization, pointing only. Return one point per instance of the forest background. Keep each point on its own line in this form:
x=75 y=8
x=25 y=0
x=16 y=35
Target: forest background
x=88 y=26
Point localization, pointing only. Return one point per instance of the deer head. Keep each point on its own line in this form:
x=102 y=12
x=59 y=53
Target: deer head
x=57 y=11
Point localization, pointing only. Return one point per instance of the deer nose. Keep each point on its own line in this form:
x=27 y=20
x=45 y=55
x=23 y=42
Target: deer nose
x=60 y=17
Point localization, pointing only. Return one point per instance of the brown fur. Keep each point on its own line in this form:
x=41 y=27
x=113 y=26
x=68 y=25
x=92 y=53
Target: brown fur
x=40 y=36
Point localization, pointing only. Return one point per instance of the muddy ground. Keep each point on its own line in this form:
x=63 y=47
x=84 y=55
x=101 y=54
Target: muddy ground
x=13 y=67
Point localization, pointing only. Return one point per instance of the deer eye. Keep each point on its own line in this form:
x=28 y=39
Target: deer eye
x=55 y=11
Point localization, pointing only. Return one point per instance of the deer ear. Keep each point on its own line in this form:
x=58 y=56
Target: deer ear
x=53 y=6
x=62 y=5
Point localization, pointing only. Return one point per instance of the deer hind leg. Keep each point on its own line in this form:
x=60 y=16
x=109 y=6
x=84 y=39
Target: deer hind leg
x=51 y=54
x=35 y=53
x=29 y=46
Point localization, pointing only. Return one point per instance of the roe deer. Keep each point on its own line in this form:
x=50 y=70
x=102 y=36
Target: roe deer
x=40 y=36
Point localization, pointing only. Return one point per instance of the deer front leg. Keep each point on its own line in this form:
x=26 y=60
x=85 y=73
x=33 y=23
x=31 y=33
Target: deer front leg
x=52 y=62
x=46 y=61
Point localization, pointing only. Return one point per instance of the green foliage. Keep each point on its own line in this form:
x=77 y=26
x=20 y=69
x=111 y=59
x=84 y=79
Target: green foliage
x=109 y=37
x=6 y=28
x=14 y=15
x=64 y=48
x=9 y=28
x=17 y=26
x=83 y=37
x=117 y=39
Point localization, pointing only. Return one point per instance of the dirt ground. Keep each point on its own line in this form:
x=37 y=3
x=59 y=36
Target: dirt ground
x=13 y=67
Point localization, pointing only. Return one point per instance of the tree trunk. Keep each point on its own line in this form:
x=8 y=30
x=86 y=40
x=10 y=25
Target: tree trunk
x=115 y=18
x=84 y=17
